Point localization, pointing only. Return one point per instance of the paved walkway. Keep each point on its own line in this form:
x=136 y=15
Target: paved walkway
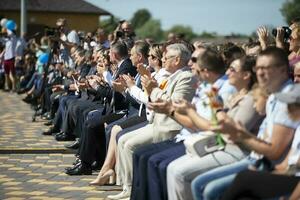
x=32 y=165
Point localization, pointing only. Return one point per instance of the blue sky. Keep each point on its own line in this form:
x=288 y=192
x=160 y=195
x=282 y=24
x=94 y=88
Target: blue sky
x=221 y=16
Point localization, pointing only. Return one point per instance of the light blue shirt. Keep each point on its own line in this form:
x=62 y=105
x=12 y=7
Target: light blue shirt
x=276 y=113
x=295 y=148
x=225 y=88
x=201 y=102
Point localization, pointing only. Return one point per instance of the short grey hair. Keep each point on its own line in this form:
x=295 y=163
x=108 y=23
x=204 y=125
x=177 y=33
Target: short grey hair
x=180 y=50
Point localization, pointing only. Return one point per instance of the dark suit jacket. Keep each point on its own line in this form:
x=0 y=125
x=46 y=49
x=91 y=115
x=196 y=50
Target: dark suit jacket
x=118 y=102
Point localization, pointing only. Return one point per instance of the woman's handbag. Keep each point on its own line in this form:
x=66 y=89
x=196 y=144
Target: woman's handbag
x=202 y=144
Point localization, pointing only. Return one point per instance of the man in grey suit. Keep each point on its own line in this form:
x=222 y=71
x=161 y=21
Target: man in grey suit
x=180 y=85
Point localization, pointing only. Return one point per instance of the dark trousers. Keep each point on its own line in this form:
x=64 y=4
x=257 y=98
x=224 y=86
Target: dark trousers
x=140 y=187
x=54 y=102
x=46 y=104
x=157 y=170
x=75 y=115
x=260 y=185
x=93 y=143
x=63 y=102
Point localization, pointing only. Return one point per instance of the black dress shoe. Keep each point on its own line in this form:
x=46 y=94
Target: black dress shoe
x=76 y=161
x=58 y=134
x=96 y=165
x=74 y=145
x=50 y=131
x=81 y=169
x=65 y=137
x=27 y=99
x=75 y=165
x=48 y=123
x=21 y=91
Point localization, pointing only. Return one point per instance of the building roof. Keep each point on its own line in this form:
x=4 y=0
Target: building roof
x=63 y=6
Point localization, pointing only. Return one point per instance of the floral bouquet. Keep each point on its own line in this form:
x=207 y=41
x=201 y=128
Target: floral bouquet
x=215 y=103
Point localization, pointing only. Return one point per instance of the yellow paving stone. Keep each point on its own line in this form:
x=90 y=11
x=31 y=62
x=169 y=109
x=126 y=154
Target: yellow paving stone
x=6 y=179
x=40 y=197
x=71 y=188
x=27 y=161
x=49 y=167
x=4 y=157
x=42 y=157
x=68 y=156
x=51 y=172
x=2 y=175
x=64 y=165
x=63 y=174
x=55 y=183
x=8 y=130
x=49 y=140
x=24 y=171
x=7 y=136
x=13 y=159
x=14 y=188
x=29 y=140
x=11 y=183
x=36 y=165
x=55 y=154
x=36 y=180
x=14 y=198
x=28 y=136
x=35 y=174
x=54 y=161
x=55 y=198
x=11 y=147
x=7 y=165
x=95 y=192
x=37 y=193
x=15 y=168
x=39 y=144
x=16 y=142
x=87 y=179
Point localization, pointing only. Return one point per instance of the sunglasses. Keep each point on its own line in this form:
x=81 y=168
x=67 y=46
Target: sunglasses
x=193 y=59
x=152 y=56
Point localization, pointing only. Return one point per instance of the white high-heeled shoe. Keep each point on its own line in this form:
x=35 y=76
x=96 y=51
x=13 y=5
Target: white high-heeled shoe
x=109 y=177
x=125 y=194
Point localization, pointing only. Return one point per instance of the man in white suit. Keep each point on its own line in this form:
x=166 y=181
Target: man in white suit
x=180 y=85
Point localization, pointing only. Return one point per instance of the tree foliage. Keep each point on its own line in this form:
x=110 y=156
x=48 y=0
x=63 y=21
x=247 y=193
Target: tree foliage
x=291 y=10
x=208 y=35
x=151 y=29
x=109 y=25
x=140 y=17
x=183 y=31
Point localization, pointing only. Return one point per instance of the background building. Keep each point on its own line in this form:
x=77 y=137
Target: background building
x=80 y=14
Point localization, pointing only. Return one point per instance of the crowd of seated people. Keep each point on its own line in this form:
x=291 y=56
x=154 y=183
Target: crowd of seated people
x=169 y=120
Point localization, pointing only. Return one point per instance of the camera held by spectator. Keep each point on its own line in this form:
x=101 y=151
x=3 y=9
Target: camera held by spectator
x=287 y=32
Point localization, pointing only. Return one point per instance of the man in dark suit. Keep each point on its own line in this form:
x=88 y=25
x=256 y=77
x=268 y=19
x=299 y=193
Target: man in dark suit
x=92 y=147
x=78 y=110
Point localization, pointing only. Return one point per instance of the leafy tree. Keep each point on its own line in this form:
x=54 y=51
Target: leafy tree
x=151 y=29
x=109 y=25
x=140 y=17
x=291 y=10
x=208 y=35
x=184 y=31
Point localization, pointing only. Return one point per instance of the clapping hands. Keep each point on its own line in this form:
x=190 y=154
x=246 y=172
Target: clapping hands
x=142 y=70
x=148 y=83
x=182 y=106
